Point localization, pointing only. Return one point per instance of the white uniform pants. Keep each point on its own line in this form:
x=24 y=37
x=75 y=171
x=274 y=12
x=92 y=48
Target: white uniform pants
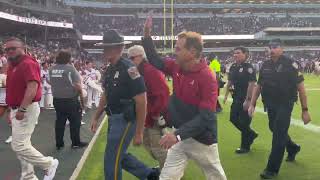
x=207 y=157
x=21 y=143
x=46 y=101
x=93 y=97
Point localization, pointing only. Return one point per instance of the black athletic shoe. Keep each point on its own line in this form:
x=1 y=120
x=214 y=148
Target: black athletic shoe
x=80 y=145
x=268 y=174
x=154 y=175
x=292 y=155
x=242 y=151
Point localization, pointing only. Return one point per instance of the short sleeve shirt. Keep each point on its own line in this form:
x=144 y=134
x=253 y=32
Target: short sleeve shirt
x=240 y=75
x=18 y=77
x=63 y=77
x=122 y=81
x=279 y=80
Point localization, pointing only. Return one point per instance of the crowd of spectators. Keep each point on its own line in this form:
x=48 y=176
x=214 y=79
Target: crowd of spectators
x=89 y=23
x=24 y=12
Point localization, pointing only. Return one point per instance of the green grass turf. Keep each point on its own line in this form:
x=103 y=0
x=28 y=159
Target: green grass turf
x=237 y=167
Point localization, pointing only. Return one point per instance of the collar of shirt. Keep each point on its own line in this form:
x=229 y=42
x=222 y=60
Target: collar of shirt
x=199 y=66
x=279 y=61
x=22 y=58
x=117 y=64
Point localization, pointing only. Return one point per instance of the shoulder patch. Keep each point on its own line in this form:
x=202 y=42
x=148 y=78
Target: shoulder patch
x=250 y=70
x=295 y=65
x=133 y=72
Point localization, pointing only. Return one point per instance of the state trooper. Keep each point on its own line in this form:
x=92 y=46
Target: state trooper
x=124 y=101
x=241 y=81
x=279 y=81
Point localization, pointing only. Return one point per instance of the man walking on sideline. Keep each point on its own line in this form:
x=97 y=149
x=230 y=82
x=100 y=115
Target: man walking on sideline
x=241 y=79
x=158 y=97
x=23 y=96
x=67 y=99
x=191 y=107
x=279 y=81
x=124 y=100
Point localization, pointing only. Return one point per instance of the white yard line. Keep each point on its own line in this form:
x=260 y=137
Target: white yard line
x=85 y=155
x=295 y=122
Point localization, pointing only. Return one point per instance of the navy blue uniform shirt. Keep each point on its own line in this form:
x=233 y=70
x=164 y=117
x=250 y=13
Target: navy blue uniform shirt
x=122 y=81
x=279 y=80
x=240 y=75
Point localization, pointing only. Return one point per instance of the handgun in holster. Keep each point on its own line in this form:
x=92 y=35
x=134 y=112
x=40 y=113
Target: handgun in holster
x=128 y=109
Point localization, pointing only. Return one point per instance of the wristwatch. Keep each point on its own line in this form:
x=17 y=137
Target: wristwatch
x=305 y=109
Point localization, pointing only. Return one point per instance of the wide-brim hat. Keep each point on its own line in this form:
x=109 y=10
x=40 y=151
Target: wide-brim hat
x=112 y=38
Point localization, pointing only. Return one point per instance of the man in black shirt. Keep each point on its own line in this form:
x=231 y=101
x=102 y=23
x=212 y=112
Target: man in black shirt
x=241 y=81
x=279 y=80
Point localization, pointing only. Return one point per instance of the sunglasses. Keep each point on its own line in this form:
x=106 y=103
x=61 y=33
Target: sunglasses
x=10 y=49
x=133 y=57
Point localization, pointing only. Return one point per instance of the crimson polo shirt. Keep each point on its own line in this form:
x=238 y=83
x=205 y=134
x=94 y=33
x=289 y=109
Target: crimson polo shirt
x=19 y=74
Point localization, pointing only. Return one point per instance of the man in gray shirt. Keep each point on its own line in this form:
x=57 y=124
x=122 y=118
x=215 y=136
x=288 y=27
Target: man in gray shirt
x=66 y=90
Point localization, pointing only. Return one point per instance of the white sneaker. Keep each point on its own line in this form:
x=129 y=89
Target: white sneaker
x=83 y=123
x=51 y=172
x=9 y=140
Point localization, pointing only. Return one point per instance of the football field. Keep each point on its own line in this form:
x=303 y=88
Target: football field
x=241 y=167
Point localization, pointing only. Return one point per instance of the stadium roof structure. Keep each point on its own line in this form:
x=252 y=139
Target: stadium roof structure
x=212 y=4
x=219 y=1
x=292 y=29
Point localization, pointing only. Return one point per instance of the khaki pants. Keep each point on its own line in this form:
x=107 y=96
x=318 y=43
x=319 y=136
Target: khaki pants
x=151 y=141
x=207 y=157
x=21 y=143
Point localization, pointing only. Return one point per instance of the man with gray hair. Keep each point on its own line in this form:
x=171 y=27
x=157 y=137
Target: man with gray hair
x=158 y=97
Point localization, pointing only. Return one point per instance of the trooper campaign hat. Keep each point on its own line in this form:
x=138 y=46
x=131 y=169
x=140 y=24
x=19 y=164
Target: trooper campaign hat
x=112 y=38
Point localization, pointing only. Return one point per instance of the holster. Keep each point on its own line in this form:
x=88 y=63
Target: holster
x=129 y=109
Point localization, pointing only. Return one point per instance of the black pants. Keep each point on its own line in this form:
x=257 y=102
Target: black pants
x=241 y=120
x=67 y=109
x=279 y=121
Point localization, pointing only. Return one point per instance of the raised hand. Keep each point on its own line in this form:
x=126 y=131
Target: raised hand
x=148 y=26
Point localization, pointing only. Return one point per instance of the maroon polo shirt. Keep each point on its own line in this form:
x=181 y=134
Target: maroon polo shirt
x=19 y=74
x=157 y=93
